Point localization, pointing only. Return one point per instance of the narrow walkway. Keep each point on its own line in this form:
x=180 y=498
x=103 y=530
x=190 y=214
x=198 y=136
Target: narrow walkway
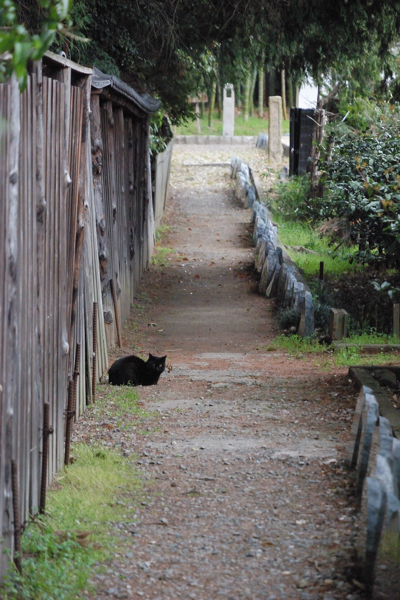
x=246 y=490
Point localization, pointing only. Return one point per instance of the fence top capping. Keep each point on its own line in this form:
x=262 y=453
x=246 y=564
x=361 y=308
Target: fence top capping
x=65 y=62
x=144 y=102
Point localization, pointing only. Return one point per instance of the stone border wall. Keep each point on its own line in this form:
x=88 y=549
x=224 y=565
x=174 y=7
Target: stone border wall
x=279 y=276
x=374 y=455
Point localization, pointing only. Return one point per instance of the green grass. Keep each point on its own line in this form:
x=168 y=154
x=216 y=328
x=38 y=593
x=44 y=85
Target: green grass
x=162 y=232
x=298 y=347
x=372 y=338
x=120 y=403
x=253 y=126
x=302 y=234
x=63 y=548
x=161 y=253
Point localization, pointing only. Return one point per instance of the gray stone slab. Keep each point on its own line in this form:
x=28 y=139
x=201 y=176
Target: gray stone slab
x=357 y=426
x=272 y=287
x=396 y=459
x=299 y=292
x=288 y=300
x=282 y=282
x=236 y=164
x=251 y=196
x=259 y=228
x=245 y=170
x=306 y=327
x=269 y=266
x=386 y=437
x=384 y=473
x=260 y=254
x=262 y=141
x=375 y=520
x=369 y=422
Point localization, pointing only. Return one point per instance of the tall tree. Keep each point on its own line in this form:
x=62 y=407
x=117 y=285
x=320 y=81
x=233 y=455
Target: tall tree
x=148 y=43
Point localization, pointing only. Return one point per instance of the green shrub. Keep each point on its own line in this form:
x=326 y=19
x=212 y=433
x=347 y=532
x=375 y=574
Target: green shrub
x=292 y=202
x=362 y=185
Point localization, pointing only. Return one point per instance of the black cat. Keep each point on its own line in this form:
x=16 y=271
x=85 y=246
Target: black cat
x=132 y=370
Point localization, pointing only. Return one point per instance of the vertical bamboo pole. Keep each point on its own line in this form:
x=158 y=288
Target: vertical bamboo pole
x=94 y=368
x=47 y=430
x=114 y=297
x=17 y=516
x=71 y=404
x=283 y=92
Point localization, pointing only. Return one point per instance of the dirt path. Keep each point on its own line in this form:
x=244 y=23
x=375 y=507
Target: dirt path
x=247 y=496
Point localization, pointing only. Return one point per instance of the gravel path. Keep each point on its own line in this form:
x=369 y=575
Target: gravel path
x=246 y=492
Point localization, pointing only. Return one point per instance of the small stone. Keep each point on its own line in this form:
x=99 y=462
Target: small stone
x=163 y=521
x=173 y=484
x=302 y=584
x=182 y=467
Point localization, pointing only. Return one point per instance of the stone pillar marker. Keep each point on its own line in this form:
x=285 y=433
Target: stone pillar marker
x=275 y=129
x=338 y=323
x=228 y=117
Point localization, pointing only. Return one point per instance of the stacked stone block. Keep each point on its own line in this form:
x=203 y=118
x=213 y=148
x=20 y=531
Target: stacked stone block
x=279 y=277
x=374 y=454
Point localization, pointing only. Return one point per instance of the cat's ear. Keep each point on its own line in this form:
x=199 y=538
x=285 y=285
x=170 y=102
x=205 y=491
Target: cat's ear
x=150 y=356
x=163 y=358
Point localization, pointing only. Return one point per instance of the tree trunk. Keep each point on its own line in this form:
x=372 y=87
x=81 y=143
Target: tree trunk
x=251 y=97
x=198 y=119
x=220 y=99
x=246 y=96
x=283 y=92
x=290 y=91
x=211 y=103
x=318 y=136
x=272 y=84
x=261 y=92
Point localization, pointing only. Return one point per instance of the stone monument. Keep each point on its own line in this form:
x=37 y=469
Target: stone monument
x=228 y=119
x=275 y=129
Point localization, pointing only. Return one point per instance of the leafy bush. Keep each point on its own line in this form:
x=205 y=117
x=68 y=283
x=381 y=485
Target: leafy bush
x=293 y=203
x=287 y=318
x=362 y=179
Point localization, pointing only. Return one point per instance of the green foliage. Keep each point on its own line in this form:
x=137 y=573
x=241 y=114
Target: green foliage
x=170 y=48
x=157 y=143
x=18 y=46
x=294 y=345
x=253 y=126
x=303 y=235
x=348 y=356
x=287 y=318
x=61 y=549
x=119 y=404
x=160 y=255
x=323 y=301
x=362 y=179
x=292 y=203
x=351 y=356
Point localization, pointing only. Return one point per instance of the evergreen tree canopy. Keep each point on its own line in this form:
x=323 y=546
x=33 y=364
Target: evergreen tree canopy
x=158 y=45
